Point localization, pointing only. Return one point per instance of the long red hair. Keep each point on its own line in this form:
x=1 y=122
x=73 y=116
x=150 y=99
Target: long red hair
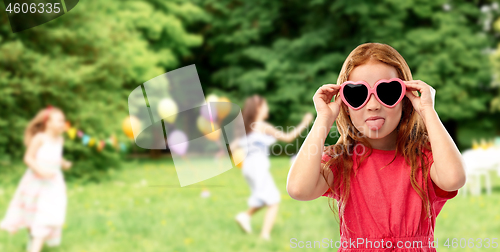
x=412 y=135
x=250 y=110
x=38 y=123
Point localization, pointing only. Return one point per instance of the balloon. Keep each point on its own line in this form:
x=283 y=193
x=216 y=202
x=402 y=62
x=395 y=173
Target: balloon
x=238 y=155
x=223 y=109
x=212 y=98
x=177 y=142
x=71 y=133
x=129 y=124
x=213 y=136
x=123 y=147
x=167 y=109
x=114 y=141
x=91 y=142
x=100 y=146
x=204 y=125
x=205 y=113
x=67 y=125
x=85 y=139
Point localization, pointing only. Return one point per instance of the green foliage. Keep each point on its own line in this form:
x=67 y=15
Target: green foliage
x=286 y=50
x=87 y=62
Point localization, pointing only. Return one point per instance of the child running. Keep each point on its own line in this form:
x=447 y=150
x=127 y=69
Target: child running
x=260 y=136
x=39 y=203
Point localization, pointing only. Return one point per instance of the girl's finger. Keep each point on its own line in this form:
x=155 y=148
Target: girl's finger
x=330 y=96
x=328 y=90
x=411 y=96
x=412 y=89
x=331 y=85
x=414 y=86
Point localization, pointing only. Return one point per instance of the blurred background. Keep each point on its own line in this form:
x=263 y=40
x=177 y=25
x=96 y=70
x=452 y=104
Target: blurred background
x=125 y=198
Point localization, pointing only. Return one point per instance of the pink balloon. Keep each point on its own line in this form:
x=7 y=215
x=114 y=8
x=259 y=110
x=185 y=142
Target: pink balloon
x=177 y=142
x=204 y=112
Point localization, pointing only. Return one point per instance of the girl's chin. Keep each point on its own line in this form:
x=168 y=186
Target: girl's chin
x=375 y=134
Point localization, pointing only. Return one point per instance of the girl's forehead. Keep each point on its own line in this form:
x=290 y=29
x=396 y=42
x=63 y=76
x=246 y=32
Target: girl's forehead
x=57 y=114
x=372 y=72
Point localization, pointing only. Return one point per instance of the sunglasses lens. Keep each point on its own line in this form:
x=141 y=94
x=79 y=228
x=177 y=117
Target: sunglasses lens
x=389 y=92
x=355 y=94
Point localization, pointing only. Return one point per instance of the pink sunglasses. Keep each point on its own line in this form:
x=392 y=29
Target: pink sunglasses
x=356 y=94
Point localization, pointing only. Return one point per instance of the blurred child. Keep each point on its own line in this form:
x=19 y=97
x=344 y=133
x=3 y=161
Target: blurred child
x=39 y=203
x=260 y=135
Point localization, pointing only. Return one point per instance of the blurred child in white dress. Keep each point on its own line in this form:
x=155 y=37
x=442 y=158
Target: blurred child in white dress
x=256 y=166
x=39 y=202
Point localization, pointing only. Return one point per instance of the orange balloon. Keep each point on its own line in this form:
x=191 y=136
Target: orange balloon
x=223 y=109
x=213 y=136
x=67 y=125
x=238 y=156
x=128 y=124
x=100 y=146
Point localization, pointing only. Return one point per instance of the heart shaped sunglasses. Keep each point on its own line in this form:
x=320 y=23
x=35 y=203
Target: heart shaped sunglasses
x=389 y=92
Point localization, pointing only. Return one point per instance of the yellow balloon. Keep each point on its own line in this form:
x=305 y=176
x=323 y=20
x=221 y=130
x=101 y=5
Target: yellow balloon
x=72 y=133
x=212 y=98
x=238 y=156
x=204 y=125
x=127 y=126
x=223 y=109
x=167 y=109
x=91 y=142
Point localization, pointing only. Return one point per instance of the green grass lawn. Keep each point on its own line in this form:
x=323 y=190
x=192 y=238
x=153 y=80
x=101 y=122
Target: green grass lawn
x=143 y=208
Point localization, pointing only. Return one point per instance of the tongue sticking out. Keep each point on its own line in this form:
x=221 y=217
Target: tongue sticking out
x=375 y=124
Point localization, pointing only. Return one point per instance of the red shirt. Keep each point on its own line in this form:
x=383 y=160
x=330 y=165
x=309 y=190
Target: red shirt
x=383 y=205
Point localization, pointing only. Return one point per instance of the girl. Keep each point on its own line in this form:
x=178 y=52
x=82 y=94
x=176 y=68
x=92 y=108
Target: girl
x=260 y=135
x=39 y=202
x=394 y=165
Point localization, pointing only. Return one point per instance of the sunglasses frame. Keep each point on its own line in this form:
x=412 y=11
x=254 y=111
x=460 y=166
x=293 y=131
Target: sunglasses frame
x=373 y=91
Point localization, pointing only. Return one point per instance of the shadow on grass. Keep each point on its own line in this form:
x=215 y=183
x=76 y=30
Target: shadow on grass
x=495 y=189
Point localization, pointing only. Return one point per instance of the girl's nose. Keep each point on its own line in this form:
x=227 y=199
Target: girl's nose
x=373 y=103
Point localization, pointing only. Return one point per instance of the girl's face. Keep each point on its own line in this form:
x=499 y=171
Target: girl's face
x=56 y=122
x=381 y=128
x=264 y=110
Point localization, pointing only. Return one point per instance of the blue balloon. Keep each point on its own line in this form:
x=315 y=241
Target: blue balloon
x=123 y=147
x=85 y=139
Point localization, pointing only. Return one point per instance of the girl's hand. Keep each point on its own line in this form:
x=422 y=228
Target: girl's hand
x=44 y=174
x=66 y=165
x=424 y=102
x=323 y=104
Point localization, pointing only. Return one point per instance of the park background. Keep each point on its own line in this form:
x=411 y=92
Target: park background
x=89 y=60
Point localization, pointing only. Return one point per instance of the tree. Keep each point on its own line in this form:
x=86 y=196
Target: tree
x=87 y=62
x=286 y=50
